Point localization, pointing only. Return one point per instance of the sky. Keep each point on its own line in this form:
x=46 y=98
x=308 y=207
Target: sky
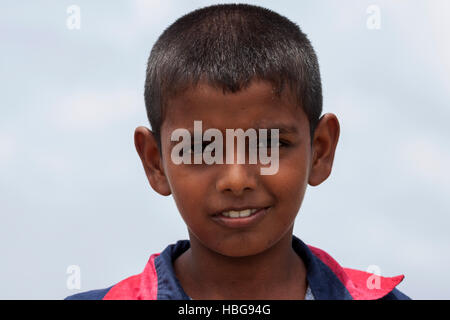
x=73 y=191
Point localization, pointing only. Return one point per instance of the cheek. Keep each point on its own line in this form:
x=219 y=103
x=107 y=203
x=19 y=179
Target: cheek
x=189 y=186
x=291 y=180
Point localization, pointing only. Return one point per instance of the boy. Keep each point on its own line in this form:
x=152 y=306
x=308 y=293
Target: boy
x=222 y=68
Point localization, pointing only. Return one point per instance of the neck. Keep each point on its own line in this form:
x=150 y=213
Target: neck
x=276 y=273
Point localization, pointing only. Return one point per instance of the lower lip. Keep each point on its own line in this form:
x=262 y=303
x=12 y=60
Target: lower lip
x=241 y=222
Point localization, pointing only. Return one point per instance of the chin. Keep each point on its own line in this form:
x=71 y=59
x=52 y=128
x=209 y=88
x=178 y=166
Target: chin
x=236 y=248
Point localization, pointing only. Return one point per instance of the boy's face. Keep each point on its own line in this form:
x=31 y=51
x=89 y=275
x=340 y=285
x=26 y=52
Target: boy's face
x=203 y=191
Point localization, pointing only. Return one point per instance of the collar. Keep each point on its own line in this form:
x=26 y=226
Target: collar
x=326 y=278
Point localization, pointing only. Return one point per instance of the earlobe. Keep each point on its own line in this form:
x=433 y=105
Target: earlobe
x=147 y=149
x=324 y=144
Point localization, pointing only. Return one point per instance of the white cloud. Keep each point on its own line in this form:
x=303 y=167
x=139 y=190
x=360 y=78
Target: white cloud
x=151 y=12
x=7 y=148
x=54 y=163
x=440 y=24
x=428 y=159
x=90 y=110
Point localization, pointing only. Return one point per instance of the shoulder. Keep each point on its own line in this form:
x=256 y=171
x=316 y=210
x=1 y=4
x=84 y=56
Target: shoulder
x=362 y=285
x=396 y=295
x=89 y=295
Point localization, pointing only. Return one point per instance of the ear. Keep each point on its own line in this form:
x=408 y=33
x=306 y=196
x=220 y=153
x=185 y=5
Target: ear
x=147 y=148
x=324 y=144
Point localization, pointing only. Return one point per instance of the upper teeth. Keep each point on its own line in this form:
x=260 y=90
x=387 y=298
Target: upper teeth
x=238 y=214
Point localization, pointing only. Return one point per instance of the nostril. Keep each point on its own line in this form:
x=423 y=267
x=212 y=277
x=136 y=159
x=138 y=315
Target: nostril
x=236 y=181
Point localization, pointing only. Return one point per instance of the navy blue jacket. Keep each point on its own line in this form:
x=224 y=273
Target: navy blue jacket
x=326 y=278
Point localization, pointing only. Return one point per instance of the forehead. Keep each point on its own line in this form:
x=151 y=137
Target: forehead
x=256 y=106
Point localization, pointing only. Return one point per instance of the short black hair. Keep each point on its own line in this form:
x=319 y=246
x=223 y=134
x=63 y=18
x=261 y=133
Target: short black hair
x=228 y=46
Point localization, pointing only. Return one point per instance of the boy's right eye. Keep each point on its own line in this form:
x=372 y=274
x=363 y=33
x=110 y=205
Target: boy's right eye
x=199 y=146
x=191 y=150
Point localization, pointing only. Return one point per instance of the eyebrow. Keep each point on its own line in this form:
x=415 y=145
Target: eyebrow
x=283 y=128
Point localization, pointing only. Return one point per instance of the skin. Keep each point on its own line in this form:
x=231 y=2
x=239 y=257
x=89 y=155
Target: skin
x=255 y=262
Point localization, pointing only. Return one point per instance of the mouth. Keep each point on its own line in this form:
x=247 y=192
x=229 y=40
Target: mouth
x=240 y=218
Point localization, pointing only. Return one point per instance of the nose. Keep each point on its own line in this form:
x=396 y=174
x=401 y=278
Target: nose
x=237 y=178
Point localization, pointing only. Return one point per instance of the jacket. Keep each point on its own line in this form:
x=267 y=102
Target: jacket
x=326 y=278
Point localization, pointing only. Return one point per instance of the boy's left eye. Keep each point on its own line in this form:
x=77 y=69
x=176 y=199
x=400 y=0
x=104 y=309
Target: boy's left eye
x=201 y=147
x=268 y=144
